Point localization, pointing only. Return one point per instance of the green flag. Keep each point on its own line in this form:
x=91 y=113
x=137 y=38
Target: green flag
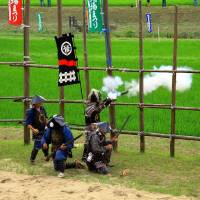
x=40 y=23
x=94 y=16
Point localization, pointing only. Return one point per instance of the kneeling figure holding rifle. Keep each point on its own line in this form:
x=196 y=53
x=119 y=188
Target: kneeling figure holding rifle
x=60 y=136
x=99 y=149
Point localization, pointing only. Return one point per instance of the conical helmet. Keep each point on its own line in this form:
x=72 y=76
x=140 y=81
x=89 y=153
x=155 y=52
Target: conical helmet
x=94 y=96
x=38 y=99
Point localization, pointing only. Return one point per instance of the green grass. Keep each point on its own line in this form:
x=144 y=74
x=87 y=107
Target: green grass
x=111 y=2
x=125 y=54
x=152 y=171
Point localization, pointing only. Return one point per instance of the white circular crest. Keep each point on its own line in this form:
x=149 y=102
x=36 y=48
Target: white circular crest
x=51 y=124
x=66 y=48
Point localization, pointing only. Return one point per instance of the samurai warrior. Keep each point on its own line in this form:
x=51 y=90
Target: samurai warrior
x=92 y=114
x=99 y=149
x=36 y=120
x=60 y=136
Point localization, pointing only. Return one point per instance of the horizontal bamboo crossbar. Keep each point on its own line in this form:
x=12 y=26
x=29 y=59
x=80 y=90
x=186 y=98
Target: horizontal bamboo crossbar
x=20 y=63
x=107 y=69
x=15 y=97
x=160 y=135
x=11 y=120
x=123 y=132
x=11 y=63
x=144 y=105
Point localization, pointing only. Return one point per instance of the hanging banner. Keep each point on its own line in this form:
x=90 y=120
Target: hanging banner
x=94 y=15
x=67 y=61
x=149 y=22
x=40 y=22
x=15 y=12
x=164 y=3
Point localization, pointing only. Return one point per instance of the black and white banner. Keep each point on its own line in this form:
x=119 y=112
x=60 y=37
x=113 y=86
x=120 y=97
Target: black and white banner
x=67 y=61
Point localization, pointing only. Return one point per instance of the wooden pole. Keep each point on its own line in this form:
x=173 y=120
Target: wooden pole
x=141 y=81
x=108 y=55
x=62 y=91
x=109 y=62
x=90 y=68
x=26 y=69
x=173 y=111
x=87 y=78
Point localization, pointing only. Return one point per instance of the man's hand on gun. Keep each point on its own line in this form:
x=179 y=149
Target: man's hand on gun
x=108 y=101
x=35 y=131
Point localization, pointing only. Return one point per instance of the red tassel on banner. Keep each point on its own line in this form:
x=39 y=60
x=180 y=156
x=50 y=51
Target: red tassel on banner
x=15 y=12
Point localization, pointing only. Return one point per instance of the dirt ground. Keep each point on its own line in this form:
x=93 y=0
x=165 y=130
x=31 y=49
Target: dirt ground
x=23 y=187
x=9 y=133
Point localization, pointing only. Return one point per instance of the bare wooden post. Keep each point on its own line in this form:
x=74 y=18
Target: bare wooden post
x=26 y=69
x=62 y=91
x=141 y=81
x=87 y=78
x=173 y=110
x=108 y=55
x=109 y=59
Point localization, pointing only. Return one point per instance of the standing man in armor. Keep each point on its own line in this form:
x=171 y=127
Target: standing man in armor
x=92 y=114
x=60 y=136
x=99 y=149
x=36 y=121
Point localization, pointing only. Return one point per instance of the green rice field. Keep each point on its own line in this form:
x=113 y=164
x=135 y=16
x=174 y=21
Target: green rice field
x=125 y=54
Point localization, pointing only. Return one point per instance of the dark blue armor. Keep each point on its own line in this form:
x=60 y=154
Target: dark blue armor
x=37 y=119
x=57 y=137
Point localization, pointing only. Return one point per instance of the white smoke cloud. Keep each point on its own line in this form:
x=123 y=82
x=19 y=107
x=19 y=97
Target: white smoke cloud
x=154 y=80
x=110 y=86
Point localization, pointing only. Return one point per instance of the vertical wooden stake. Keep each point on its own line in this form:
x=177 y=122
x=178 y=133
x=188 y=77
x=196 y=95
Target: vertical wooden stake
x=158 y=33
x=87 y=78
x=173 y=110
x=62 y=91
x=141 y=81
x=26 y=69
x=108 y=59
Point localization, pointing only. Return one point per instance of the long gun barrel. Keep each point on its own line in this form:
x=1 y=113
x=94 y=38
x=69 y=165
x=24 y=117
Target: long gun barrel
x=124 y=92
x=123 y=125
